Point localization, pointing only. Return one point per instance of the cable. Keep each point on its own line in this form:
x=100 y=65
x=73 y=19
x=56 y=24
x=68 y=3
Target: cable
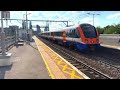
x=19 y=22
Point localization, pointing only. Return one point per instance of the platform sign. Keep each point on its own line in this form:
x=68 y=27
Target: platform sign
x=6 y=14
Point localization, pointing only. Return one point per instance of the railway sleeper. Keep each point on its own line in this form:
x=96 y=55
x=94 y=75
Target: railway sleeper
x=76 y=64
x=83 y=69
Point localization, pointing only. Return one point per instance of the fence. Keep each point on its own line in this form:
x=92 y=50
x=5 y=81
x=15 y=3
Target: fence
x=9 y=41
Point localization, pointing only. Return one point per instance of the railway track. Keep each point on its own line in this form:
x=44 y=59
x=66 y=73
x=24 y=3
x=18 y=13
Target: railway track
x=82 y=66
x=88 y=70
x=106 y=65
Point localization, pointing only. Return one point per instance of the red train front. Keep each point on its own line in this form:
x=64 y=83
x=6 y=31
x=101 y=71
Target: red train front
x=89 y=37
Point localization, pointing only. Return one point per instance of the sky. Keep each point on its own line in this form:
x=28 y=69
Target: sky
x=101 y=18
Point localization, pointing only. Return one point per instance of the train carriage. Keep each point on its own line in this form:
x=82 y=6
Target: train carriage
x=81 y=37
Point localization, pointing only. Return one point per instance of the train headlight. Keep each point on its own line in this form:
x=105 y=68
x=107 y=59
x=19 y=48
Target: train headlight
x=86 y=40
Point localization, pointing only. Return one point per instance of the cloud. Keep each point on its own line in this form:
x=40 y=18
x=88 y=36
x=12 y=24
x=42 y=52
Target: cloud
x=87 y=19
x=74 y=16
x=90 y=21
x=113 y=16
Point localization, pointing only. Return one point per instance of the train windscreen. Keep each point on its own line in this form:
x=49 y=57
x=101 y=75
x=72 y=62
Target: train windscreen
x=89 y=31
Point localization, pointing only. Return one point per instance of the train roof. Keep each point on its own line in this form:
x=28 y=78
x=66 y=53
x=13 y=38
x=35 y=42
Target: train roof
x=58 y=30
x=66 y=28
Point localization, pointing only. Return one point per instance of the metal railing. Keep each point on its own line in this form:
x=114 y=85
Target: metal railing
x=10 y=40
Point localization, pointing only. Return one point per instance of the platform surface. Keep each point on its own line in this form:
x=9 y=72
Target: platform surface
x=111 y=46
x=27 y=64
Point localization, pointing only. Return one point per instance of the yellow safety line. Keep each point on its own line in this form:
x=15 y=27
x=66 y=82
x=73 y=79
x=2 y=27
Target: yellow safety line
x=73 y=73
x=47 y=66
x=57 y=58
x=59 y=62
x=64 y=67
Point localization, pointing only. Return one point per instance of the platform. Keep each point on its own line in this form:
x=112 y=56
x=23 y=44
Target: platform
x=111 y=46
x=27 y=64
x=37 y=61
x=58 y=67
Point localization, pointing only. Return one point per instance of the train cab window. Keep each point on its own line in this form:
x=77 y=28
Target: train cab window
x=89 y=31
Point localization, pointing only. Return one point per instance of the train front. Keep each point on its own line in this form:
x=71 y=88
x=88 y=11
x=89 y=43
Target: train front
x=90 y=36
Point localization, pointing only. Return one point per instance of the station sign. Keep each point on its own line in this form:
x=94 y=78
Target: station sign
x=6 y=14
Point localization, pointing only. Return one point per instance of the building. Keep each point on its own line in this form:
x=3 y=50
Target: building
x=24 y=34
x=10 y=31
x=38 y=29
x=18 y=32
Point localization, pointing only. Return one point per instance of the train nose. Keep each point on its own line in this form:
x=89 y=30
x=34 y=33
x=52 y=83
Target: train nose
x=91 y=41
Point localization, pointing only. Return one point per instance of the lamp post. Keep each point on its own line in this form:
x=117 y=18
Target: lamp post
x=26 y=23
x=93 y=16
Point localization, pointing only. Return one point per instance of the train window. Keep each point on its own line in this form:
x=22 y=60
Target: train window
x=70 y=34
x=73 y=33
x=58 y=33
x=77 y=34
x=89 y=31
x=67 y=33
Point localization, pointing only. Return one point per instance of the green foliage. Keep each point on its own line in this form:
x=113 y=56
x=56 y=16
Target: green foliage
x=110 y=29
x=100 y=30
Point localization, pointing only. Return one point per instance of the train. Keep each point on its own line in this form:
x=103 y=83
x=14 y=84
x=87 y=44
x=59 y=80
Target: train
x=81 y=37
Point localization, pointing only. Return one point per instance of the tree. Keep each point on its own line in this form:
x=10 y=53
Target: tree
x=109 y=29
x=100 y=30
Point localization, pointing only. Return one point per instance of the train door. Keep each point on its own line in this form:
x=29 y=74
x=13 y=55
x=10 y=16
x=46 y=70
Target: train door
x=77 y=35
x=64 y=36
x=53 y=36
x=73 y=36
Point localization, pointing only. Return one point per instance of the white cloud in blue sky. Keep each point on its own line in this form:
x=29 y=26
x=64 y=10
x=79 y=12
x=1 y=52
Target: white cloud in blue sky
x=105 y=18
x=114 y=16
